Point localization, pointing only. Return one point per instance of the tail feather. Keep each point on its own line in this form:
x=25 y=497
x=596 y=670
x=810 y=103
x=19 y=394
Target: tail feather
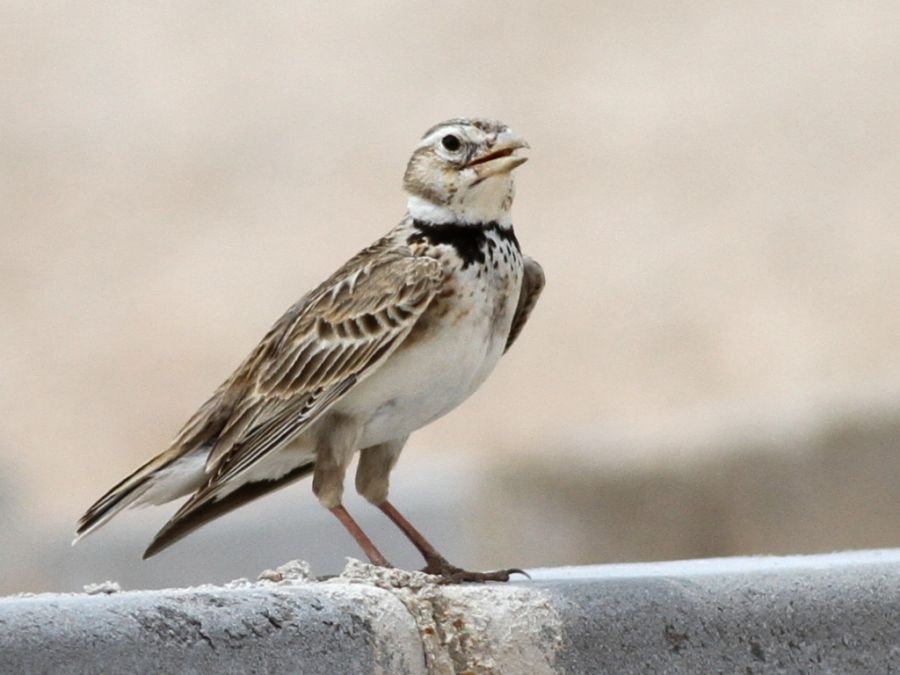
x=194 y=515
x=130 y=491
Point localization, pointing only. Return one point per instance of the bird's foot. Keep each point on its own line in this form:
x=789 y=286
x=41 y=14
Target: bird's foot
x=451 y=574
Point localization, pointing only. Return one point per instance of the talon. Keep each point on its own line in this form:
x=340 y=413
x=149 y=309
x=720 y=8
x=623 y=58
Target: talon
x=450 y=574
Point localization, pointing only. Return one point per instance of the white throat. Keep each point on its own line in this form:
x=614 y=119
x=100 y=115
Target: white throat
x=422 y=209
x=484 y=201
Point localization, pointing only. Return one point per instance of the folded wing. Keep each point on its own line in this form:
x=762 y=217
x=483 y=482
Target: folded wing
x=532 y=285
x=323 y=346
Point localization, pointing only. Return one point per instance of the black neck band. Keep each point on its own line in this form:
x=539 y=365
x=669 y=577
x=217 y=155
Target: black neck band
x=470 y=239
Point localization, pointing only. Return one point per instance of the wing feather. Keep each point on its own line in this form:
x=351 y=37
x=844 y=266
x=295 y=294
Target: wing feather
x=532 y=284
x=337 y=338
x=329 y=341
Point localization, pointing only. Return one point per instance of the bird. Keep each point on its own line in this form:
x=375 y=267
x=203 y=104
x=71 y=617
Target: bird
x=400 y=335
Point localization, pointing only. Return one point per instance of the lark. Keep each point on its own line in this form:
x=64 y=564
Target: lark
x=400 y=335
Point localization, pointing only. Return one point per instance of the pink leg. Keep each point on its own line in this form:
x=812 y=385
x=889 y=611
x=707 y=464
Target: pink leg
x=372 y=553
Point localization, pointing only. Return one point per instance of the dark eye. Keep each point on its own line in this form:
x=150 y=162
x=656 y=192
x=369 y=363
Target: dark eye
x=451 y=142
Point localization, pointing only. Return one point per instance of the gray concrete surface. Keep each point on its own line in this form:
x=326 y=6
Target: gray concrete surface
x=837 y=613
x=296 y=629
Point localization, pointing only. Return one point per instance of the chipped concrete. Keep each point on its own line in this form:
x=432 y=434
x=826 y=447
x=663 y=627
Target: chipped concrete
x=472 y=629
x=830 y=613
x=107 y=587
x=271 y=627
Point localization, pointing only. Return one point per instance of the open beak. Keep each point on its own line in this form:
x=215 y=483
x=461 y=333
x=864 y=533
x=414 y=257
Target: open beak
x=501 y=158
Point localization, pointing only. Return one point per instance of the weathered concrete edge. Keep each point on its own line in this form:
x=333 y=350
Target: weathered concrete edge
x=837 y=613
x=270 y=628
x=832 y=613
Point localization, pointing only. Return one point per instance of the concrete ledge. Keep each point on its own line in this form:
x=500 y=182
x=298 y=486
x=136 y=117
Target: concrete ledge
x=830 y=613
x=308 y=629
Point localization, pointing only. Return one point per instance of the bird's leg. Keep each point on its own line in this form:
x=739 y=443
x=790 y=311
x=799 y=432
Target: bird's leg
x=433 y=559
x=372 y=553
x=372 y=478
x=333 y=454
x=435 y=563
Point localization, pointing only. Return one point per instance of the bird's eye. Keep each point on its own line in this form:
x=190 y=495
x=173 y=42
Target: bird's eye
x=451 y=142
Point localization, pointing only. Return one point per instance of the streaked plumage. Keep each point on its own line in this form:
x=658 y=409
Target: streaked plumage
x=401 y=334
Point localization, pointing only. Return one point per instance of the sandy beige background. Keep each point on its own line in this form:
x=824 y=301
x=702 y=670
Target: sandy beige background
x=713 y=190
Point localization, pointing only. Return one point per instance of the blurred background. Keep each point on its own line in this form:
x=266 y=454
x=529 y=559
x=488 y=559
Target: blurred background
x=713 y=191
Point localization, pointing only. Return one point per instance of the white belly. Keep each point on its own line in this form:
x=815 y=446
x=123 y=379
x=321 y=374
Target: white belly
x=425 y=380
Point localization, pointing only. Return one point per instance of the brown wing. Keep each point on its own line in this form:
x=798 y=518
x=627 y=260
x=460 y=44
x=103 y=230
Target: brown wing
x=532 y=285
x=315 y=354
x=326 y=343
x=348 y=327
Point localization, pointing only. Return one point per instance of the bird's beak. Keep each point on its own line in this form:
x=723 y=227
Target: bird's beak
x=500 y=158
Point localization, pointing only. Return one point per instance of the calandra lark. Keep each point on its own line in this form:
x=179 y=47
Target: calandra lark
x=400 y=335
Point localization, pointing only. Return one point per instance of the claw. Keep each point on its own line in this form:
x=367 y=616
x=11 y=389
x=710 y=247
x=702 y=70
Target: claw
x=450 y=574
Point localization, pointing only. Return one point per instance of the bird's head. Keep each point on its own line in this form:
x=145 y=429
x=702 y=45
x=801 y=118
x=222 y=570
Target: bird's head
x=461 y=171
